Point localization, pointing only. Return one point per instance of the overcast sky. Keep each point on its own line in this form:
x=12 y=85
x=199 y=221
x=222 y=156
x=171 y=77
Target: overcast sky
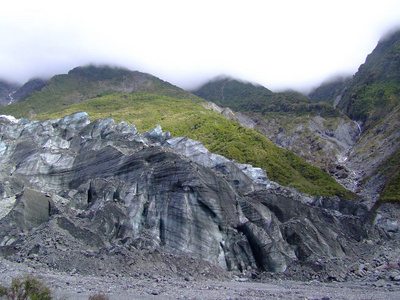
x=279 y=44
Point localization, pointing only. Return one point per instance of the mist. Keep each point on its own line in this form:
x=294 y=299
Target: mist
x=280 y=45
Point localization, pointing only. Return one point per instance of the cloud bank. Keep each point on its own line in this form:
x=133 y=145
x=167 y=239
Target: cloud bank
x=279 y=44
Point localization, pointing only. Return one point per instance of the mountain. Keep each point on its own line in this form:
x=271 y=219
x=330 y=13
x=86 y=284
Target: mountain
x=347 y=126
x=315 y=131
x=100 y=198
x=25 y=91
x=90 y=183
x=14 y=93
x=248 y=97
x=328 y=91
x=146 y=105
x=6 y=92
x=84 y=83
x=372 y=98
x=374 y=89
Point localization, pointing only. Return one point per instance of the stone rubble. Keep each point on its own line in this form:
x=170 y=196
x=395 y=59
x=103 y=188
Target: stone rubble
x=100 y=199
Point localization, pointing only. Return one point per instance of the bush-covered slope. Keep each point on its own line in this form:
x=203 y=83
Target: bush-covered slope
x=87 y=82
x=146 y=101
x=391 y=190
x=372 y=98
x=329 y=90
x=247 y=97
x=25 y=91
x=189 y=118
x=315 y=131
x=375 y=88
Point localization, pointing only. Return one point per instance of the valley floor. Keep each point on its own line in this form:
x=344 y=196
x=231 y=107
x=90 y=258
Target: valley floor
x=74 y=286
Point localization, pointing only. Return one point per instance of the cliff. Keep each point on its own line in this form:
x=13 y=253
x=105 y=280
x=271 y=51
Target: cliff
x=94 y=197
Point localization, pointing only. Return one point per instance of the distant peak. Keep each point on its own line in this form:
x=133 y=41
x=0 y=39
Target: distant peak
x=225 y=80
x=228 y=78
x=99 y=72
x=392 y=34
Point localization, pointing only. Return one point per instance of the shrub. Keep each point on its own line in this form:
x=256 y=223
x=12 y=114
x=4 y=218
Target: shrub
x=26 y=287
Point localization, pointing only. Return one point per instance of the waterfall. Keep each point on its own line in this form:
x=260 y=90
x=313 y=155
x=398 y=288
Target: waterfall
x=359 y=123
x=11 y=98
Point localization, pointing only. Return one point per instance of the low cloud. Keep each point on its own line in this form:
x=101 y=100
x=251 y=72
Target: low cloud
x=287 y=44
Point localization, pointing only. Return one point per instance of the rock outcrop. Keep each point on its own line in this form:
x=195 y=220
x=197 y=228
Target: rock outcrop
x=75 y=190
x=371 y=98
x=323 y=142
x=6 y=92
x=33 y=85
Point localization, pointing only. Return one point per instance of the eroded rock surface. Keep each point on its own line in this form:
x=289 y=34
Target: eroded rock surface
x=93 y=197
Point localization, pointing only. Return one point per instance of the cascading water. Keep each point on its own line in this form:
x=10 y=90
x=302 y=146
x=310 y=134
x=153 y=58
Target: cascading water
x=359 y=123
x=11 y=98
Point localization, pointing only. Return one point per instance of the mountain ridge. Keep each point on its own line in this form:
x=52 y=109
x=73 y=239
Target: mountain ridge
x=372 y=98
x=315 y=131
x=86 y=82
x=91 y=184
x=183 y=115
x=313 y=127
x=81 y=190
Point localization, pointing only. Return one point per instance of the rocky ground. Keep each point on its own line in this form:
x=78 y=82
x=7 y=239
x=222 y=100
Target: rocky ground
x=96 y=207
x=158 y=286
x=149 y=274
x=156 y=275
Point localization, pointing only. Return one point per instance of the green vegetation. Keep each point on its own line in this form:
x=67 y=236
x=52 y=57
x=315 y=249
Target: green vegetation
x=26 y=287
x=328 y=91
x=87 y=82
x=234 y=94
x=189 y=118
x=375 y=88
x=29 y=287
x=247 y=97
x=371 y=103
x=373 y=97
x=391 y=169
x=146 y=101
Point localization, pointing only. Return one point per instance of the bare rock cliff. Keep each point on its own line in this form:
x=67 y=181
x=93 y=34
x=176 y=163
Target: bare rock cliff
x=88 y=196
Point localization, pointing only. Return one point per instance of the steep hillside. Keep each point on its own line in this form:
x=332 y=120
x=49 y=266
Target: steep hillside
x=6 y=91
x=87 y=82
x=247 y=97
x=372 y=98
x=25 y=91
x=328 y=91
x=357 y=143
x=99 y=198
x=314 y=131
x=375 y=88
x=183 y=117
x=147 y=101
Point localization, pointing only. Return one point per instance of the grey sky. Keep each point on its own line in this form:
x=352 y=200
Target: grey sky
x=279 y=44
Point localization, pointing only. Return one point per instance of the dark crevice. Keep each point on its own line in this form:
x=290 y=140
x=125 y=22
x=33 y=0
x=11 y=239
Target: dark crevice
x=207 y=209
x=254 y=244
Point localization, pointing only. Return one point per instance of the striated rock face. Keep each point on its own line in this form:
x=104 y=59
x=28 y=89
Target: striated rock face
x=94 y=187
